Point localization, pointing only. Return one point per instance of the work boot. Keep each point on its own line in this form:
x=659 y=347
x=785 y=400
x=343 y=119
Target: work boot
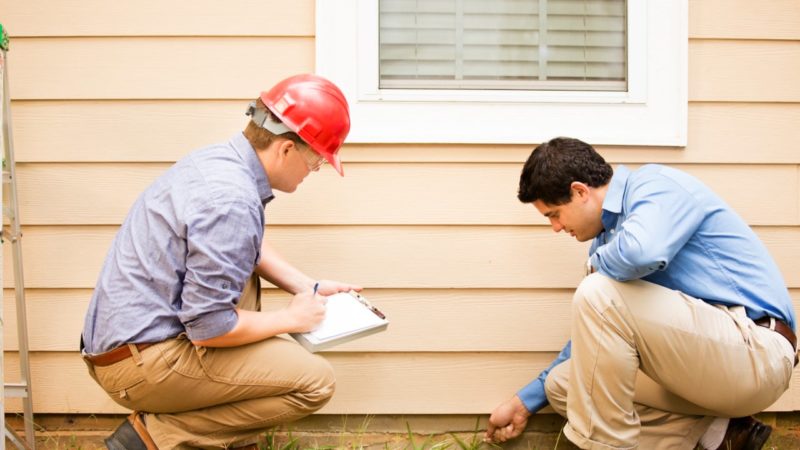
x=131 y=435
x=745 y=433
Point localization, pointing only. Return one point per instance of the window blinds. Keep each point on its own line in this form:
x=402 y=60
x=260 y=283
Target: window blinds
x=503 y=44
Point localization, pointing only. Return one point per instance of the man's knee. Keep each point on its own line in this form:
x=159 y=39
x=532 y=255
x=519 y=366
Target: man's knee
x=590 y=292
x=320 y=390
x=555 y=387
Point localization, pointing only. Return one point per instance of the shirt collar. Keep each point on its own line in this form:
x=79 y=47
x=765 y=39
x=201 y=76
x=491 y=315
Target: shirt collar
x=612 y=204
x=248 y=155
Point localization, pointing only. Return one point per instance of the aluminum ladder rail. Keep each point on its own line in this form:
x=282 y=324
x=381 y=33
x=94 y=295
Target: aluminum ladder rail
x=13 y=234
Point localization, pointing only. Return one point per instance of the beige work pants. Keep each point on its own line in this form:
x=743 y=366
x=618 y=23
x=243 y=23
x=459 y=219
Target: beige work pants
x=650 y=367
x=218 y=397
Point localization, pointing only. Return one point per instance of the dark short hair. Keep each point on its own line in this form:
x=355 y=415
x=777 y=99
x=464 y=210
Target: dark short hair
x=553 y=166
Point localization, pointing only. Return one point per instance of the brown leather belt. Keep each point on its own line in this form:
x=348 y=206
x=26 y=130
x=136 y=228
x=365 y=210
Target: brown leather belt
x=781 y=328
x=114 y=356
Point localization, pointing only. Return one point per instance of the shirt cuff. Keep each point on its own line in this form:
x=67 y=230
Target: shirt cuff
x=211 y=325
x=533 y=396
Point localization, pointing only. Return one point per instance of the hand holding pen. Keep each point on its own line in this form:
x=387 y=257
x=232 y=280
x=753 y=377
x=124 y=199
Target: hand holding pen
x=306 y=311
x=336 y=287
x=330 y=287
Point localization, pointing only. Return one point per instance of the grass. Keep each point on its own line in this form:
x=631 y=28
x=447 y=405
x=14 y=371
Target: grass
x=272 y=443
x=356 y=441
x=354 y=438
x=475 y=442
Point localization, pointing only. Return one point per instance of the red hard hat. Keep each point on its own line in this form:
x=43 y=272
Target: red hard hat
x=315 y=109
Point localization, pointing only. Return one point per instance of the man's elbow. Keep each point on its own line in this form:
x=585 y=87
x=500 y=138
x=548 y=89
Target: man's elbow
x=202 y=343
x=639 y=266
x=226 y=340
x=632 y=267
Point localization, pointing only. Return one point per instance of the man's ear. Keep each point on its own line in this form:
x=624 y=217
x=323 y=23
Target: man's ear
x=283 y=147
x=579 y=189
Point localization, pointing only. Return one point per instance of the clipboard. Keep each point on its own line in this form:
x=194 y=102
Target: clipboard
x=349 y=316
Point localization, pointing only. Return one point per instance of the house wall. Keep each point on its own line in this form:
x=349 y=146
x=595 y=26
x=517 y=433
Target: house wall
x=105 y=96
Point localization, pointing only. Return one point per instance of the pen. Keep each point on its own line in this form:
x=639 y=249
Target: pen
x=316 y=286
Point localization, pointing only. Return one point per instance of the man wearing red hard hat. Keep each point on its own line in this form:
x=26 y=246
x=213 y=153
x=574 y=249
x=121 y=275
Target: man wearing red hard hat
x=174 y=330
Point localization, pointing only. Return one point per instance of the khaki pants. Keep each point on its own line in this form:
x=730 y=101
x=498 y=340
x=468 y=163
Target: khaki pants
x=218 y=397
x=650 y=366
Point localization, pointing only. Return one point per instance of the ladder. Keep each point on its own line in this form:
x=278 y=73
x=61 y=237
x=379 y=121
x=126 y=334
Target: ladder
x=13 y=234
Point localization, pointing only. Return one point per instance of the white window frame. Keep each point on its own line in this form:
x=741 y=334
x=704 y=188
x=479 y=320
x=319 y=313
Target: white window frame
x=652 y=112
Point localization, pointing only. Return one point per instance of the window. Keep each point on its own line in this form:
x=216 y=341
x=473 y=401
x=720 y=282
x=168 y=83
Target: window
x=502 y=44
x=511 y=71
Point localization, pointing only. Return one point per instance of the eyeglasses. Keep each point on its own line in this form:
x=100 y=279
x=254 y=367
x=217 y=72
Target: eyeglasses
x=312 y=159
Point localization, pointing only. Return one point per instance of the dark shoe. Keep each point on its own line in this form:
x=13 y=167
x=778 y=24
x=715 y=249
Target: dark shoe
x=131 y=435
x=745 y=433
x=125 y=438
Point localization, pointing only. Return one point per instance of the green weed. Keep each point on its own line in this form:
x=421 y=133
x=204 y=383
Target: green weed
x=271 y=442
x=475 y=442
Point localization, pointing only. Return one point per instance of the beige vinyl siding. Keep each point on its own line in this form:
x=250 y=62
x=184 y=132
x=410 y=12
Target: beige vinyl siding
x=103 y=102
x=503 y=314
x=398 y=383
x=137 y=67
x=720 y=132
x=154 y=67
x=56 y=193
x=370 y=383
x=748 y=71
x=379 y=256
x=443 y=370
x=744 y=19
x=36 y=18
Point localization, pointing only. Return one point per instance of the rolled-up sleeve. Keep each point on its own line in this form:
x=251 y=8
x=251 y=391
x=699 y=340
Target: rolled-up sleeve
x=222 y=246
x=661 y=218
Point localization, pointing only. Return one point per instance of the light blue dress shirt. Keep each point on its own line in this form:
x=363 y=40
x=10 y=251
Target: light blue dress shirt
x=180 y=260
x=664 y=226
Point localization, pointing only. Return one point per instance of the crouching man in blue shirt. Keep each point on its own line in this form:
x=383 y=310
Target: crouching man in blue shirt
x=683 y=327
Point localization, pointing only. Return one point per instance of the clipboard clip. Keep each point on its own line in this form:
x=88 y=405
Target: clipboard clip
x=366 y=303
